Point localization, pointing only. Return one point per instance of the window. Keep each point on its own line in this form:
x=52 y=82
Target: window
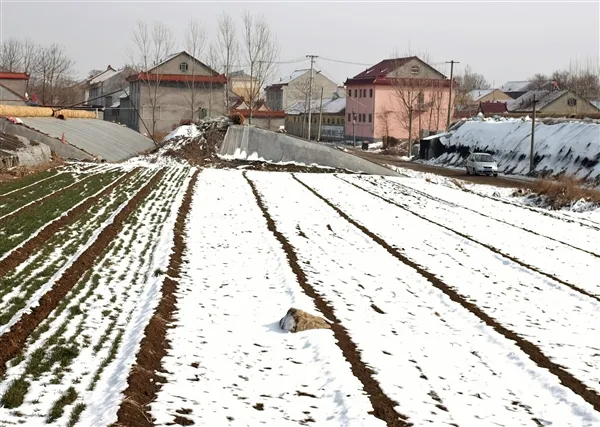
x=571 y=102
x=414 y=70
x=421 y=99
x=183 y=67
x=349 y=117
x=370 y=118
x=364 y=93
x=370 y=93
x=355 y=93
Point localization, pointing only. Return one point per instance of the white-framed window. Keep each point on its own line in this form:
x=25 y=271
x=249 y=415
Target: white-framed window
x=414 y=70
x=183 y=67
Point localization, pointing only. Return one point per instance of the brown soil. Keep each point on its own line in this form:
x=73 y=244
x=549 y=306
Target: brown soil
x=383 y=406
x=12 y=342
x=203 y=153
x=566 y=378
x=144 y=381
x=491 y=248
x=270 y=167
x=16 y=257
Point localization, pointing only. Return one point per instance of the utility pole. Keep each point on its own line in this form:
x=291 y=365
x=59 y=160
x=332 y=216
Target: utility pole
x=354 y=128
x=531 y=165
x=451 y=84
x=320 y=116
x=410 y=117
x=312 y=61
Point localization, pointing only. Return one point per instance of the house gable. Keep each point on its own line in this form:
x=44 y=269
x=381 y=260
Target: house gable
x=174 y=65
x=563 y=105
x=414 y=68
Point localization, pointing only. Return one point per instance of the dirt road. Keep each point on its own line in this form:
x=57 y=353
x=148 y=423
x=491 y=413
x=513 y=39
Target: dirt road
x=383 y=159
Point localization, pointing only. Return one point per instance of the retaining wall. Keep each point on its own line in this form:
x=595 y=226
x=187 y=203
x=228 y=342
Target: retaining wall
x=250 y=143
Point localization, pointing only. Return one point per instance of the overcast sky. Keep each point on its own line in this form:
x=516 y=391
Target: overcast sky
x=504 y=41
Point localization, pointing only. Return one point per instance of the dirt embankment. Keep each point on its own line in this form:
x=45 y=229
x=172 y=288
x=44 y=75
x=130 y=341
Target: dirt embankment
x=12 y=342
x=144 y=381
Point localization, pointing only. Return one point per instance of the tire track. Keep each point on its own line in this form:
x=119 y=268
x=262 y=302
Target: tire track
x=144 y=381
x=383 y=406
x=535 y=354
x=446 y=202
x=19 y=255
x=13 y=341
x=485 y=245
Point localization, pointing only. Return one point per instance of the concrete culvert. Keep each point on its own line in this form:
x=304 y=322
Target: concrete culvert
x=296 y=320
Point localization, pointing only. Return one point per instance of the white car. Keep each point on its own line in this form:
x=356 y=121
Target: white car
x=481 y=164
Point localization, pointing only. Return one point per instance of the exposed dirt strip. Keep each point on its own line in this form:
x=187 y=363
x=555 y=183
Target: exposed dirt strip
x=21 y=254
x=567 y=218
x=383 y=406
x=491 y=248
x=566 y=378
x=144 y=380
x=12 y=342
x=445 y=202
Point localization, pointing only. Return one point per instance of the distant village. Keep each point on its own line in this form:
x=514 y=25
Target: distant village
x=402 y=98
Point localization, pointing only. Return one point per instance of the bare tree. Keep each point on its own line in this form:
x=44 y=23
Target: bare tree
x=195 y=39
x=228 y=49
x=385 y=124
x=468 y=81
x=55 y=71
x=212 y=60
x=11 y=55
x=152 y=46
x=261 y=51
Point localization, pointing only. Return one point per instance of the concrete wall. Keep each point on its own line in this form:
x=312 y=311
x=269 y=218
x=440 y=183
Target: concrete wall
x=65 y=151
x=172 y=66
x=8 y=97
x=174 y=102
x=17 y=85
x=249 y=143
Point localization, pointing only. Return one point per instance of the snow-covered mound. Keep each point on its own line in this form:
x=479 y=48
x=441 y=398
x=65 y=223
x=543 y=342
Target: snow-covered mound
x=186 y=131
x=565 y=147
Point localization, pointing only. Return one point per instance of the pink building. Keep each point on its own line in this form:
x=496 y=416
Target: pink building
x=395 y=97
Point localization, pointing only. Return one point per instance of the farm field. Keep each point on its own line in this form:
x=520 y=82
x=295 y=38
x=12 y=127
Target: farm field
x=150 y=294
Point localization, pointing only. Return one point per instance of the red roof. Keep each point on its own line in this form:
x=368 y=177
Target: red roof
x=383 y=68
x=261 y=113
x=220 y=78
x=493 y=107
x=401 y=81
x=7 y=75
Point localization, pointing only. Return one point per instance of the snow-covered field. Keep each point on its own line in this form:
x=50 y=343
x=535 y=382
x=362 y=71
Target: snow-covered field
x=449 y=305
x=569 y=147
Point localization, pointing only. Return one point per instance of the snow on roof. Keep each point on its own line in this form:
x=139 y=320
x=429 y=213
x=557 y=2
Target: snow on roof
x=125 y=95
x=297 y=73
x=330 y=106
x=477 y=94
x=515 y=86
x=116 y=104
x=543 y=97
x=596 y=103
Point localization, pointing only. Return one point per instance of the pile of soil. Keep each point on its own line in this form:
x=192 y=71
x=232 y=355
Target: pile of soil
x=202 y=152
